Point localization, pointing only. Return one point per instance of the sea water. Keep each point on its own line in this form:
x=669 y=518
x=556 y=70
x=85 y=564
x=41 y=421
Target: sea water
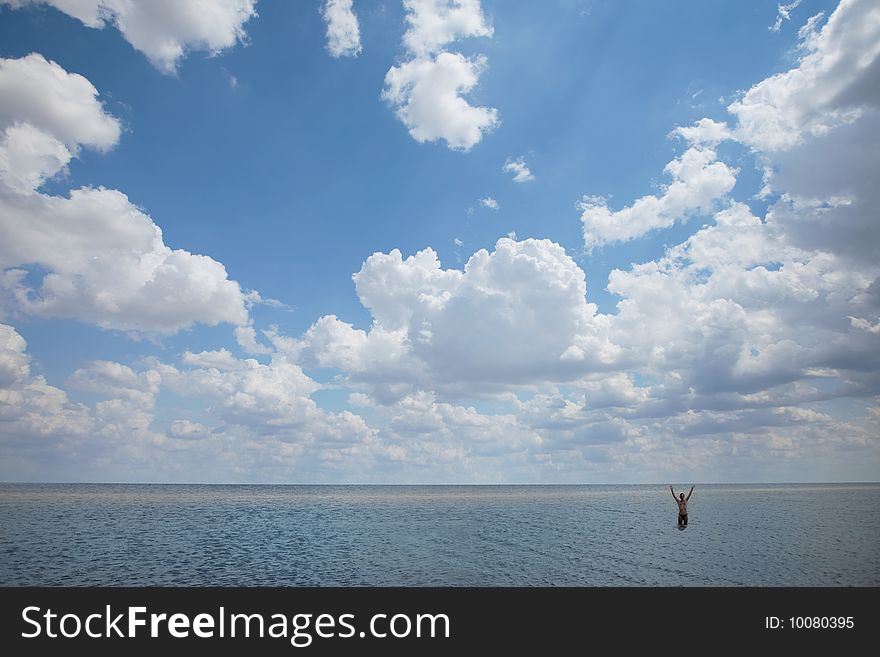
x=590 y=535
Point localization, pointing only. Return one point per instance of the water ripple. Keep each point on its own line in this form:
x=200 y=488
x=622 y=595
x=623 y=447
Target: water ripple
x=785 y=535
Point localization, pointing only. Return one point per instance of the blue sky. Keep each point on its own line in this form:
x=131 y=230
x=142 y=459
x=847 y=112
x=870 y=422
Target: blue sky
x=702 y=169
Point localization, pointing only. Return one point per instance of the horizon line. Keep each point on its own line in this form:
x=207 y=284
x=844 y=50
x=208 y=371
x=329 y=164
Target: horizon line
x=422 y=484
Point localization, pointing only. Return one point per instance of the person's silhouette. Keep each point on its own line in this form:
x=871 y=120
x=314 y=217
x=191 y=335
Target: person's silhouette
x=682 y=502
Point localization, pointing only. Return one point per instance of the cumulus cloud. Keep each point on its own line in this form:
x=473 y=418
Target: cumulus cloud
x=519 y=170
x=744 y=345
x=742 y=338
x=272 y=399
x=28 y=157
x=126 y=416
x=704 y=132
x=425 y=436
x=489 y=202
x=835 y=83
x=31 y=409
x=426 y=94
x=44 y=435
x=46 y=115
x=235 y=418
x=14 y=363
x=62 y=104
x=515 y=316
x=816 y=130
x=699 y=181
x=246 y=337
x=164 y=30
x=433 y=24
x=343 y=31
x=736 y=309
x=427 y=91
x=101 y=259
x=108 y=265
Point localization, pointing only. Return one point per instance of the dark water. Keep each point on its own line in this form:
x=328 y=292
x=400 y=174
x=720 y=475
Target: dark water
x=739 y=535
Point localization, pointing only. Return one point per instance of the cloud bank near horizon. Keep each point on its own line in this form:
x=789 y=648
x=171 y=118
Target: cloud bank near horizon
x=746 y=347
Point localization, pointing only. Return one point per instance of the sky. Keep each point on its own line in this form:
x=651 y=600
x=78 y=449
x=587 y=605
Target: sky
x=439 y=241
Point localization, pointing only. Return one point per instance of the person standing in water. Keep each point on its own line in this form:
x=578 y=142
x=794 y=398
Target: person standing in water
x=682 y=502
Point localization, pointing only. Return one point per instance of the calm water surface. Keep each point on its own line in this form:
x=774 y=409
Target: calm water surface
x=739 y=535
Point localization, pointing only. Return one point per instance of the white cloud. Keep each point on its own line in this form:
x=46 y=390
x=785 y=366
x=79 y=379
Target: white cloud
x=704 y=132
x=46 y=114
x=107 y=265
x=739 y=331
x=833 y=84
x=816 y=130
x=699 y=181
x=164 y=30
x=519 y=170
x=392 y=288
x=425 y=437
x=426 y=95
x=865 y=325
x=105 y=260
x=14 y=362
x=124 y=420
x=31 y=409
x=45 y=436
x=783 y=12
x=219 y=359
x=253 y=420
x=108 y=377
x=246 y=337
x=343 y=31
x=489 y=202
x=515 y=316
x=235 y=418
x=186 y=430
x=433 y=24
x=426 y=91
x=742 y=334
x=28 y=157
x=736 y=309
x=741 y=347
x=272 y=399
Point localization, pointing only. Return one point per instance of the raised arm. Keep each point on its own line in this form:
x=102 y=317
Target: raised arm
x=673 y=493
x=689 y=493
